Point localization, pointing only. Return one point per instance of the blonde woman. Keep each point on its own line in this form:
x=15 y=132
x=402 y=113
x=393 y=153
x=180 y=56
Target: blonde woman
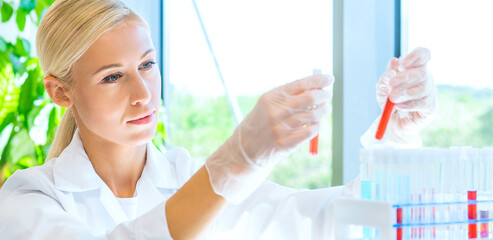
x=103 y=178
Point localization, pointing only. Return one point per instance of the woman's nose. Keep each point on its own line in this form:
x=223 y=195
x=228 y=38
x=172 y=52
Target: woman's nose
x=140 y=90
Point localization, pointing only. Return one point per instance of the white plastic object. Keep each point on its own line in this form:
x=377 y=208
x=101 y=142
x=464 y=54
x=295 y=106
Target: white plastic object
x=351 y=213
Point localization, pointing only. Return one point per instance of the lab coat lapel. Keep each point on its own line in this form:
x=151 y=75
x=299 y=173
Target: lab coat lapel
x=73 y=171
x=158 y=181
x=149 y=196
x=112 y=206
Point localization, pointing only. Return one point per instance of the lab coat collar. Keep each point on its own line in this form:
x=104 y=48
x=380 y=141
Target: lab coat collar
x=73 y=171
x=159 y=169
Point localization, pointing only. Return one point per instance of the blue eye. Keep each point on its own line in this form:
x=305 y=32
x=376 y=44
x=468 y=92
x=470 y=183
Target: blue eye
x=112 y=78
x=147 y=65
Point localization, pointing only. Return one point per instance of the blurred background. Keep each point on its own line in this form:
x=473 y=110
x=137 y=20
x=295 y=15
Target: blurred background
x=219 y=56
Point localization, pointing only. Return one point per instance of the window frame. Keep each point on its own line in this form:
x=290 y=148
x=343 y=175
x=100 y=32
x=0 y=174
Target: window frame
x=366 y=36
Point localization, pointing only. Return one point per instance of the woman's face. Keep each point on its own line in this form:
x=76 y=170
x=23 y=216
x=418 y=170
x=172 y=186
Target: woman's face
x=117 y=87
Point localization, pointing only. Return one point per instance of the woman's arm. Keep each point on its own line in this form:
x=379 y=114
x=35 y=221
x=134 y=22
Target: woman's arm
x=282 y=118
x=194 y=207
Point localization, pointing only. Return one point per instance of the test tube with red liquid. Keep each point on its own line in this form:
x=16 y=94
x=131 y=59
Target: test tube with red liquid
x=382 y=125
x=314 y=141
x=472 y=214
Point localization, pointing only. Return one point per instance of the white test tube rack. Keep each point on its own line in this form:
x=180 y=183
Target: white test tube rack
x=467 y=221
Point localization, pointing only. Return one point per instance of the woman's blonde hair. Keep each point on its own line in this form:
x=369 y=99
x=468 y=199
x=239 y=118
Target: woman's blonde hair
x=66 y=31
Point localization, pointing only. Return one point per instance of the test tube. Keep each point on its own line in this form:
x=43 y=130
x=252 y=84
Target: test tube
x=456 y=192
x=433 y=187
x=366 y=184
x=486 y=185
x=365 y=181
x=403 y=188
x=382 y=125
x=313 y=148
x=415 y=198
x=387 y=110
x=441 y=212
x=470 y=157
x=394 y=191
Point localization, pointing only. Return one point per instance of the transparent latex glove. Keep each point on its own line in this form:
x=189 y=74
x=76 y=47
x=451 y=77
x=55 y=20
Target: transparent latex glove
x=282 y=119
x=409 y=85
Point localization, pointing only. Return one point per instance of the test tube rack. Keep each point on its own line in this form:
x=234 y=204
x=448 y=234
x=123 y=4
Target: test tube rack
x=425 y=193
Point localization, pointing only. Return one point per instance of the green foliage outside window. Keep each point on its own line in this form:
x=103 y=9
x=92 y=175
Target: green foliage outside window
x=202 y=124
x=465 y=118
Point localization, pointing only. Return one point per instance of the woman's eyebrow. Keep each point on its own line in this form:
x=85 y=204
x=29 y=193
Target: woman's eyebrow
x=119 y=65
x=106 y=67
x=147 y=52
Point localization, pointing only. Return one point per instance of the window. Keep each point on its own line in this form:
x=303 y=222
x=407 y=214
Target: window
x=258 y=45
x=461 y=44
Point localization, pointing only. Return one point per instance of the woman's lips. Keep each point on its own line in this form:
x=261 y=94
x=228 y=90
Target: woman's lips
x=144 y=120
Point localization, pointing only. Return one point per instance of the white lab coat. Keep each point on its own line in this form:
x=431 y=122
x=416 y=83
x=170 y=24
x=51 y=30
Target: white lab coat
x=66 y=199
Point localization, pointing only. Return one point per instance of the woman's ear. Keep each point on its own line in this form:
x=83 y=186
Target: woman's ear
x=58 y=94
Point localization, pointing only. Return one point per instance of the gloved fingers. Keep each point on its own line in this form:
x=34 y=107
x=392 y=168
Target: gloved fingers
x=389 y=73
x=409 y=77
x=383 y=91
x=393 y=65
x=425 y=105
x=310 y=99
x=307 y=117
x=417 y=58
x=414 y=84
x=317 y=81
x=407 y=80
x=382 y=85
x=300 y=134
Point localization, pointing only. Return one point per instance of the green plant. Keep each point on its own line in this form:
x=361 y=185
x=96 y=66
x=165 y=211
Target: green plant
x=23 y=103
x=28 y=118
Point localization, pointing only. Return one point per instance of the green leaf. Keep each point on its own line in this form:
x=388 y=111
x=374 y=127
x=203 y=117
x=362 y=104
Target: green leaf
x=52 y=124
x=41 y=154
x=22 y=47
x=9 y=170
x=22 y=68
x=32 y=64
x=20 y=146
x=3 y=45
x=14 y=61
x=10 y=118
x=9 y=93
x=31 y=117
x=6 y=150
x=27 y=5
x=7 y=11
x=4 y=59
x=20 y=19
x=41 y=8
x=26 y=45
x=26 y=98
x=26 y=162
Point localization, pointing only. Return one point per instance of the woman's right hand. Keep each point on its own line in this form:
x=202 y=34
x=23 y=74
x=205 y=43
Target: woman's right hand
x=282 y=119
x=409 y=85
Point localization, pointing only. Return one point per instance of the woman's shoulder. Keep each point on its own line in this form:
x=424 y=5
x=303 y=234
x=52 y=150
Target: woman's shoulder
x=38 y=178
